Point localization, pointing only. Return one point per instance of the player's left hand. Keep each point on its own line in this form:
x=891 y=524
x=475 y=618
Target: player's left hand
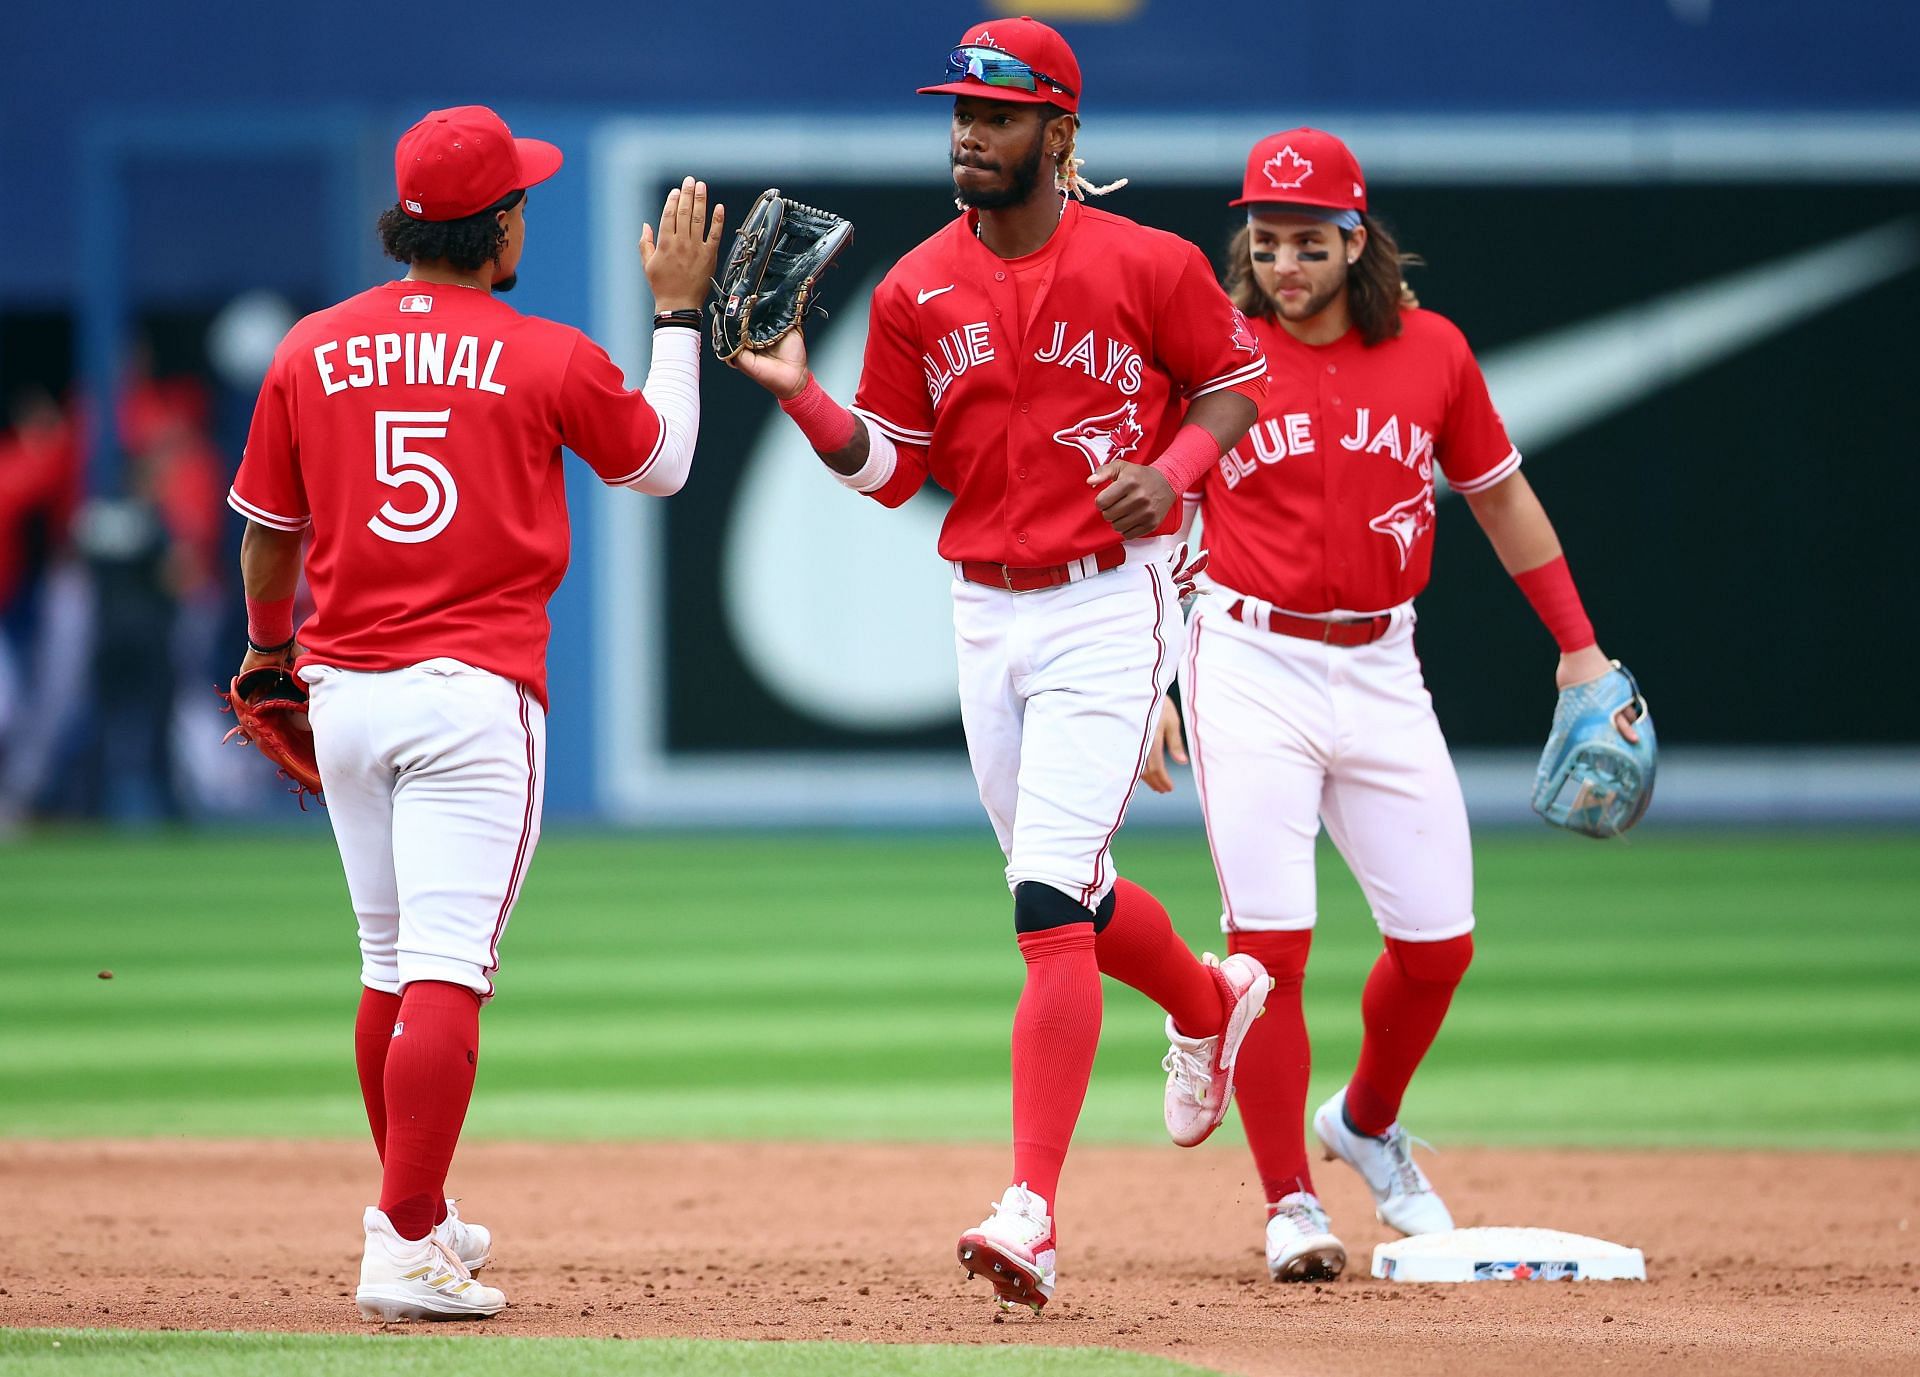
x=284 y=659
x=1583 y=667
x=1134 y=498
x=679 y=260
x=1167 y=744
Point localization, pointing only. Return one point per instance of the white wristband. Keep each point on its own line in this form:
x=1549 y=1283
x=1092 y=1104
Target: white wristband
x=882 y=458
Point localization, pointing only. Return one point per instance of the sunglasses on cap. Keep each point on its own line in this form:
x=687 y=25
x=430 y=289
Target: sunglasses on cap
x=995 y=68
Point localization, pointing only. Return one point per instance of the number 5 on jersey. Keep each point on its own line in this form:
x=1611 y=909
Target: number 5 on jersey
x=397 y=467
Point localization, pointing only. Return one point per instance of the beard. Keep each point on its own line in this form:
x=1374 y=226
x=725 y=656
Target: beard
x=1025 y=177
x=506 y=284
x=1316 y=302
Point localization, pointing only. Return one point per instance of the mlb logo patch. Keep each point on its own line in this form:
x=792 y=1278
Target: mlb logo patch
x=416 y=305
x=414 y=206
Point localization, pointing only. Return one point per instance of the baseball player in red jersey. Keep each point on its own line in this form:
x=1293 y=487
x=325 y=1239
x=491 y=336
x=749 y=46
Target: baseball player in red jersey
x=1064 y=373
x=1303 y=695
x=415 y=431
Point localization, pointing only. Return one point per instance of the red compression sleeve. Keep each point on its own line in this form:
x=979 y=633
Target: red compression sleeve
x=827 y=425
x=1557 y=603
x=1192 y=453
x=270 y=623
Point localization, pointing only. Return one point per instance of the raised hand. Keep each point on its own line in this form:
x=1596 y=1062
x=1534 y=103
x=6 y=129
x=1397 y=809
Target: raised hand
x=679 y=261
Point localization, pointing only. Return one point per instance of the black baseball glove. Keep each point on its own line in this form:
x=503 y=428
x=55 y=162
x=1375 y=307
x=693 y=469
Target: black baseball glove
x=768 y=283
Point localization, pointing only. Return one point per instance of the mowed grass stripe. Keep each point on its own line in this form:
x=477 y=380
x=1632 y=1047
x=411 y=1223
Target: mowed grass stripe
x=46 y=1058
x=125 y=1353
x=1688 y=988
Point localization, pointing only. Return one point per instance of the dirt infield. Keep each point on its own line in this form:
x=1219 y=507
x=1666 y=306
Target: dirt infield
x=1757 y=1262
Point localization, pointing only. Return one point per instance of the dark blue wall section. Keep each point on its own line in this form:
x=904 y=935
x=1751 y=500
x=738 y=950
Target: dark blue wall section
x=63 y=63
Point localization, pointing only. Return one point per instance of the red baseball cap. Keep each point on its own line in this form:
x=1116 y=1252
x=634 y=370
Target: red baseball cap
x=456 y=163
x=997 y=60
x=1303 y=167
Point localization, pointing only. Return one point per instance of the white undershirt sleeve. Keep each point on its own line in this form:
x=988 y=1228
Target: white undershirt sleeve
x=673 y=390
x=882 y=459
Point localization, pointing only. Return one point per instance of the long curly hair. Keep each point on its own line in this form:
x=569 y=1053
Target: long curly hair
x=1377 y=288
x=467 y=244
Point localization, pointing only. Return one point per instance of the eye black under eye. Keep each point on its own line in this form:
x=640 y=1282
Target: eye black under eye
x=1313 y=255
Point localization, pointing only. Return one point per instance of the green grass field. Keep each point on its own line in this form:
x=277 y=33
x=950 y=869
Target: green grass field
x=1745 y=989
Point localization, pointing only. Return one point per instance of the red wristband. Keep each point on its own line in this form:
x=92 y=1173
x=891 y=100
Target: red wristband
x=1192 y=453
x=827 y=425
x=1557 y=603
x=270 y=623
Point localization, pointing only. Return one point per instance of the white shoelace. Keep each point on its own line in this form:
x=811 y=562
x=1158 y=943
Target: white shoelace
x=1399 y=1146
x=1037 y=1229
x=452 y=1259
x=1305 y=1217
x=1193 y=1071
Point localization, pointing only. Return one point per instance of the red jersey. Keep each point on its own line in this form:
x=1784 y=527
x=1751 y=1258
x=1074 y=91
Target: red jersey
x=1327 y=503
x=1010 y=381
x=417 y=427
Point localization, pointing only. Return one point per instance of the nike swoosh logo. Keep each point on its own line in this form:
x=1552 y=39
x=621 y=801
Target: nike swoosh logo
x=925 y=297
x=787 y=606
x=1559 y=383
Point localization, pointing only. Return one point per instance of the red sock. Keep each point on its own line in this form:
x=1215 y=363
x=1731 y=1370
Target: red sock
x=1139 y=947
x=429 y=1080
x=1270 y=1082
x=372 y=1035
x=1056 y=1030
x=1405 y=1000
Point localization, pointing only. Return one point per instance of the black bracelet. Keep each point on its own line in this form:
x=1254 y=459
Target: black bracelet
x=689 y=319
x=259 y=649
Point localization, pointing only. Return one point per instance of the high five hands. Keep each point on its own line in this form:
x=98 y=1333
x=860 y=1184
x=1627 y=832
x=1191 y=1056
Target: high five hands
x=679 y=260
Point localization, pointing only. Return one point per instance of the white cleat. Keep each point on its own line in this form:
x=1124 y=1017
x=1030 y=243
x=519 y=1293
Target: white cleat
x=401 y=1279
x=1403 y=1198
x=1013 y=1248
x=1300 y=1241
x=1200 y=1070
x=471 y=1243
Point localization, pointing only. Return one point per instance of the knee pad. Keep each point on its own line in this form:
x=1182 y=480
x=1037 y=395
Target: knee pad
x=1284 y=954
x=1433 y=963
x=1040 y=907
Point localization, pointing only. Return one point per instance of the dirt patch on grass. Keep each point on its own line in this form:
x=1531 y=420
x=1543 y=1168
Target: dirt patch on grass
x=1757 y=1262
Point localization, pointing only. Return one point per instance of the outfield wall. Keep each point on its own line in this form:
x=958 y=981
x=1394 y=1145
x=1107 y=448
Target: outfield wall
x=1683 y=243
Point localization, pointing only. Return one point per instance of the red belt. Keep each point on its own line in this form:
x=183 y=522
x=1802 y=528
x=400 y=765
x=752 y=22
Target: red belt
x=1359 y=631
x=1019 y=580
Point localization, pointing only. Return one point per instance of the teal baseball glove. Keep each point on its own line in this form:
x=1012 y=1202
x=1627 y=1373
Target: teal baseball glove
x=1591 y=779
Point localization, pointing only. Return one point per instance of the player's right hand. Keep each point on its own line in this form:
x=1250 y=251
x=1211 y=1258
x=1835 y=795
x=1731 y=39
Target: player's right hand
x=782 y=370
x=1167 y=742
x=679 y=261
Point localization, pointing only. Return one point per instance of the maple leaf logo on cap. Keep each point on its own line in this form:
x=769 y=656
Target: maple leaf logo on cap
x=1287 y=169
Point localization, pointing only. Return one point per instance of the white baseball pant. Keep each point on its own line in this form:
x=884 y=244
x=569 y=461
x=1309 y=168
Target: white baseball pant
x=1286 y=733
x=434 y=776
x=1059 y=692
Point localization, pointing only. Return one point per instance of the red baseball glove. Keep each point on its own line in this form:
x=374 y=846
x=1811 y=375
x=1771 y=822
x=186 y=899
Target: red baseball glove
x=270 y=708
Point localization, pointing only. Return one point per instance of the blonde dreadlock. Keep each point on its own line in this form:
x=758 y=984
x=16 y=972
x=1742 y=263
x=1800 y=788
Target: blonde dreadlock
x=1067 y=172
